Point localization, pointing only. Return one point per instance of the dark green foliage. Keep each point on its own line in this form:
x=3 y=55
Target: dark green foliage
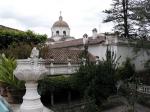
x=126 y=74
x=102 y=84
x=147 y=65
x=142 y=17
x=110 y=105
x=83 y=76
x=54 y=83
x=18 y=44
x=144 y=77
x=18 y=51
x=119 y=14
x=130 y=17
x=10 y=37
x=23 y=50
x=125 y=71
x=144 y=100
x=7 y=66
x=91 y=107
x=44 y=51
x=97 y=81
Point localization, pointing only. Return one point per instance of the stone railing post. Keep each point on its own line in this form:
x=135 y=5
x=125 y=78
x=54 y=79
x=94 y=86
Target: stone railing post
x=69 y=65
x=52 y=67
x=97 y=60
x=84 y=61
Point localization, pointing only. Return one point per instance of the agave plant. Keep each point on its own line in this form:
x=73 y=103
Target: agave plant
x=7 y=65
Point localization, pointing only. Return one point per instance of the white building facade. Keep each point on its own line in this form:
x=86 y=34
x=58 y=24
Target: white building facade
x=97 y=44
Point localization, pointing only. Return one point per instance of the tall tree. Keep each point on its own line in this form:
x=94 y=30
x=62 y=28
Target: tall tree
x=119 y=14
x=141 y=16
x=130 y=17
x=125 y=17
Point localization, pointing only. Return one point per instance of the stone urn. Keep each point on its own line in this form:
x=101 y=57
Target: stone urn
x=30 y=71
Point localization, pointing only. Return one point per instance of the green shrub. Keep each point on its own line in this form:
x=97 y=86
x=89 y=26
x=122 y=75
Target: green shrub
x=18 y=51
x=54 y=83
x=7 y=66
x=97 y=81
x=125 y=71
x=9 y=37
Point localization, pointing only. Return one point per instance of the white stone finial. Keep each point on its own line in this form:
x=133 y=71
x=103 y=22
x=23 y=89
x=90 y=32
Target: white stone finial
x=52 y=62
x=69 y=61
x=69 y=65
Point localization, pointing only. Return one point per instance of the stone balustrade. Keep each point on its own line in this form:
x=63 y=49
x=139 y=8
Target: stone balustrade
x=144 y=89
x=140 y=88
x=53 y=69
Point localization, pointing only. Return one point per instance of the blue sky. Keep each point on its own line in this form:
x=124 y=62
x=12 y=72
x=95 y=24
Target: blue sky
x=39 y=15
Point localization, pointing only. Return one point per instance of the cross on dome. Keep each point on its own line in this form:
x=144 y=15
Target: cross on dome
x=60 y=17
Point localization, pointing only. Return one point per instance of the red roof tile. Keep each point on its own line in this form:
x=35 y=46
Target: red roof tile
x=77 y=42
x=60 y=56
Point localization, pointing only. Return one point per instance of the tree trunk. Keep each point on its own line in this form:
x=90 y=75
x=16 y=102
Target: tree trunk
x=125 y=17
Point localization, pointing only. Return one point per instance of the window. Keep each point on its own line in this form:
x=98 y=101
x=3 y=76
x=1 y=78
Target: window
x=57 y=32
x=64 y=33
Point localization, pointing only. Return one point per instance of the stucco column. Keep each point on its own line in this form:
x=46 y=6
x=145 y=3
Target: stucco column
x=31 y=99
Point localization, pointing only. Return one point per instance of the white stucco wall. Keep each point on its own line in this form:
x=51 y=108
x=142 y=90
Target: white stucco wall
x=138 y=58
x=98 y=50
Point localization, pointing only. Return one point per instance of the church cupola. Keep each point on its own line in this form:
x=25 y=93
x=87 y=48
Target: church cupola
x=60 y=29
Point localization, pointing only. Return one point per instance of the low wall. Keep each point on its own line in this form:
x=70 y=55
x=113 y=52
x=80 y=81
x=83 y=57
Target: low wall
x=53 y=69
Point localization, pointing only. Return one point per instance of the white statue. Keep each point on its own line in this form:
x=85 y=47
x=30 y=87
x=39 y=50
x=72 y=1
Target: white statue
x=34 y=53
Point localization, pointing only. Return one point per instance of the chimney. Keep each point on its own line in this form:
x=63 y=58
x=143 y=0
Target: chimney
x=94 y=31
x=85 y=39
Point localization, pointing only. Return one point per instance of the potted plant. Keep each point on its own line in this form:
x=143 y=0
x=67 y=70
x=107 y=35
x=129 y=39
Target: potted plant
x=14 y=87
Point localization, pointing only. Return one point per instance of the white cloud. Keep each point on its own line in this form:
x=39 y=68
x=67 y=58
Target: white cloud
x=39 y=15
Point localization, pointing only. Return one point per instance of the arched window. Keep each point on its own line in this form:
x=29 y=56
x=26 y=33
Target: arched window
x=57 y=32
x=64 y=33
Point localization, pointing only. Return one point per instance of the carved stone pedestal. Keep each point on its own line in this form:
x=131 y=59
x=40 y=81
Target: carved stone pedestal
x=31 y=71
x=31 y=100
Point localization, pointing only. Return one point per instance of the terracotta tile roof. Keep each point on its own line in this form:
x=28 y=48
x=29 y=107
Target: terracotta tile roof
x=50 y=40
x=60 y=56
x=77 y=42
